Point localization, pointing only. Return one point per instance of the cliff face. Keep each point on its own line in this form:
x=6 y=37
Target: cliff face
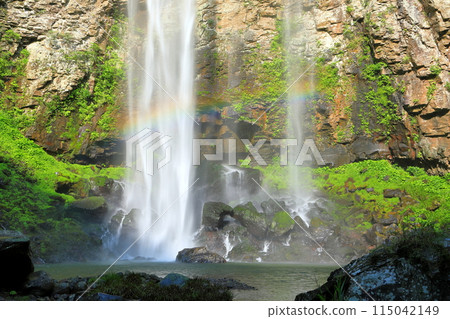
x=382 y=76
x=68 y=47
x=382 y=79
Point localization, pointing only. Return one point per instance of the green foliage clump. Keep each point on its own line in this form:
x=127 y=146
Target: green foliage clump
x=29 y=201
x=283 y=220
x=380 y=95
x=435 y=69
x=12 y=68
x=426 y=201
x=132 y=286
x=430 y=195
x=327 y=78
x=431 y=90
x=447 y=86
x=266 y=83
x=276 y=176
x=109 y=72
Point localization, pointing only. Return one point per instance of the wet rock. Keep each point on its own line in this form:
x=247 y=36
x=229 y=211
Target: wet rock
x=281 y=224
x=214 y=214
x=245 y=251
x=62 y=288
x=391 y=193
x=250 y=218
x=116 y=221
x=100 y=296
x=199 y=255
x=386 y=219
x=90 y=209
x=16 y=264
x=386 y=273
x=40 y=284
x=271 y=207
x=173 y=279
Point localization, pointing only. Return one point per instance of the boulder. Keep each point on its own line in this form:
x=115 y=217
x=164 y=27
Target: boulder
x=173 y=279
x=214 y=213
x=281 y=223
x=250 y=218
x=100 y=296
x=130 y=223
x=15 y=261
x=116 y=221
x=199 y=255
x=90 y=209
x=386 y=274
x=245 y=251
x=391 y=193
x=40 y=284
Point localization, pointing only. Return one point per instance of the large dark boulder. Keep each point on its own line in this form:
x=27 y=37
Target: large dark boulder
x=199 y=255
x=250 y=218
x=214 y=214
x=415 y=267
x=15 y=261
x=40 y=284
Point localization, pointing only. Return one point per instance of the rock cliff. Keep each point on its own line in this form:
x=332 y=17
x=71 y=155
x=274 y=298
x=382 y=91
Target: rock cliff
x=67 y=45
x=381 y=73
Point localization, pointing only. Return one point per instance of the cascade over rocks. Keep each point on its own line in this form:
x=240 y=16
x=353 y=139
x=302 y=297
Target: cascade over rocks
x=274 y=235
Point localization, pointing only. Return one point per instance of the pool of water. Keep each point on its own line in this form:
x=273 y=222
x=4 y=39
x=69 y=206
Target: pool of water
x=272 y=281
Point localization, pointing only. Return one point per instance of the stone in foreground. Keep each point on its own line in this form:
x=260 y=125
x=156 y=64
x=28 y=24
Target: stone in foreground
x=15 y=261
x=415 y=268
x=199 y=255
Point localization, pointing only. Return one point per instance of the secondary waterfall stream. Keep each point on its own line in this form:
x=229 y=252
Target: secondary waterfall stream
x=160 y=90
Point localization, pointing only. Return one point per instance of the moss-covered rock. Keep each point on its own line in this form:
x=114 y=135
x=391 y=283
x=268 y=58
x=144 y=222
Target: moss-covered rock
x=386 y=273
x=214 y=213
x=250 y=218
x=281 y=223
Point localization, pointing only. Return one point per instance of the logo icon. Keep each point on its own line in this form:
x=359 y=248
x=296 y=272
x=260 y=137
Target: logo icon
x=143 y=149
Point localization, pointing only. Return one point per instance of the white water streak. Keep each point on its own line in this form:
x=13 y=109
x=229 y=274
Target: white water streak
x=161 y=99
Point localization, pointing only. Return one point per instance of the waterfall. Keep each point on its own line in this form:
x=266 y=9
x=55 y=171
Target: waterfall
x=300 y=79
x=161 y=99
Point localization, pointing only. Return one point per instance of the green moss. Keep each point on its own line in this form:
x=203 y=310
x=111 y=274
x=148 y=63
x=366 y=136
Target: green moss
x=327 y=78
x=431 y=90
x=379 y=97
x=427 y=203
x=447 y=86
x=380 y=175
x=283 y=220
x=435 y=69
x=12 y=68
x=29 y=201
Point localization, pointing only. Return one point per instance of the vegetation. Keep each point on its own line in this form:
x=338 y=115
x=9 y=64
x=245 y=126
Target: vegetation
x=29 y=201
x=265 y=86
x=12 y=68
x=360 y=188
x=379 y=97
x=132 y=286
